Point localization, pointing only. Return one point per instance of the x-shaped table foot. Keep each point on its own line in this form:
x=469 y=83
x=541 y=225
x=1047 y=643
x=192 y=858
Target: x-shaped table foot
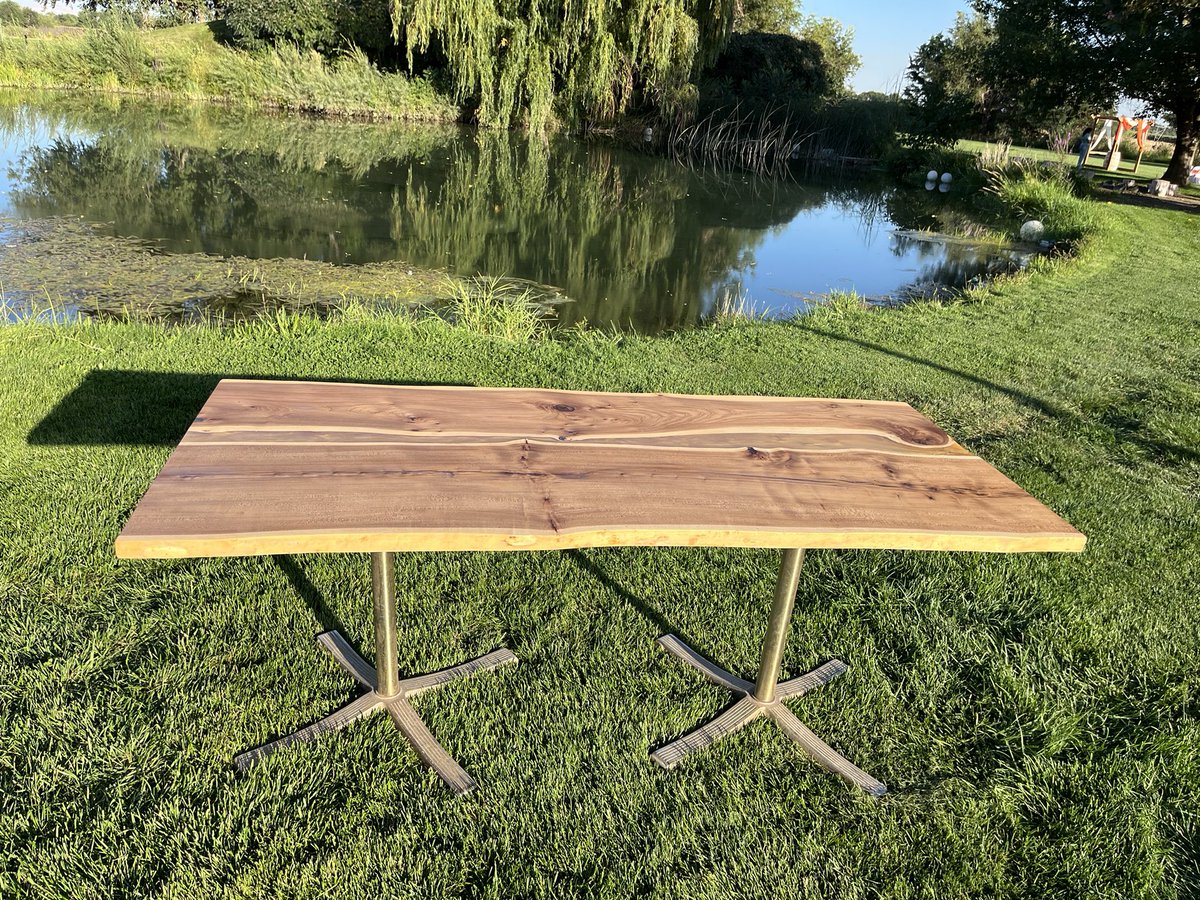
x=748 y=708
x=403 y=715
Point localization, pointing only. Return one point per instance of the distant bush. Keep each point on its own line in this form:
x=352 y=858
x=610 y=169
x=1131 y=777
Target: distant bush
x=758 y=71
x=14 y=14
x=257 y=24
x=864 y=124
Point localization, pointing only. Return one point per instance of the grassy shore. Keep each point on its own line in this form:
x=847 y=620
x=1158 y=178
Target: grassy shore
x=1035 y=716
x=186 y=62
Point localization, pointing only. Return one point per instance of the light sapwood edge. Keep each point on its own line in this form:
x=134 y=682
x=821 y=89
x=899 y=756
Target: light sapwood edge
x=546 y=390
x=509 y=437
x=132 y=546
x=921 y=451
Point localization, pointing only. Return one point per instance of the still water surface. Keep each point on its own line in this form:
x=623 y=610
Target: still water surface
x=632 y=240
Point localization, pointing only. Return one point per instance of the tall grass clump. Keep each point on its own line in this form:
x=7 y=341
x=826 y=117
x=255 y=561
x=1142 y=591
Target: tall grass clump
x=115 y=48
x=1050 y=194
x=496 y=306
x=187 y=62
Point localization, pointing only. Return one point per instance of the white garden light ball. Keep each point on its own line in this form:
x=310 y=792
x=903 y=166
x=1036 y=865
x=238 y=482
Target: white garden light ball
x=931 y=175
x=1032 y=230
x=947 y=178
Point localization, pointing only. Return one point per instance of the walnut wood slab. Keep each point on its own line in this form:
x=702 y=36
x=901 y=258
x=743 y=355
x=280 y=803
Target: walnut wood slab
x=308 y=467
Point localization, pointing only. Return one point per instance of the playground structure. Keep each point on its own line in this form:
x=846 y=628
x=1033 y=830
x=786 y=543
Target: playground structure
x=1108 y=131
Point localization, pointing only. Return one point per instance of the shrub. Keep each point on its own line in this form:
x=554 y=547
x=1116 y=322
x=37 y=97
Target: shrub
x=256 y=24
x=12 y=13
x=758 y=71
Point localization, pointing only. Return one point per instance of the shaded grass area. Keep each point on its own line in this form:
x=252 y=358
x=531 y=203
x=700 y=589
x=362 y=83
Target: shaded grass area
x=1035 y=716
x=187 y=62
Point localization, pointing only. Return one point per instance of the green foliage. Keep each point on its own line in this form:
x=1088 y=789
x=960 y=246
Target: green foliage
x=492 y=305
x=12 y=13
x=763 y=71
x=1051 y=64
x=771 y=16
x=584 y=63
x=255 y=24
x=765 y=85
x=992 y=79
x=116 y=48
x=1050 y=194
x=837 y=46
x=787 y=17
x=186 y=62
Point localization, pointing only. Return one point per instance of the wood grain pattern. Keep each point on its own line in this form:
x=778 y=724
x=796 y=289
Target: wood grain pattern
x=290 y=467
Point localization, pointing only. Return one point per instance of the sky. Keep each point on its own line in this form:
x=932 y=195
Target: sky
x=886 y=32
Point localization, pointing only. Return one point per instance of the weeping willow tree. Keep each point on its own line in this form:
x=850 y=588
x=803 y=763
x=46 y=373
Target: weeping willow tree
x=585 y=60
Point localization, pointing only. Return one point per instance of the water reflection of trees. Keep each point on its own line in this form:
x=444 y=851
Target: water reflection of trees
x=632 y=239
x=949 y=264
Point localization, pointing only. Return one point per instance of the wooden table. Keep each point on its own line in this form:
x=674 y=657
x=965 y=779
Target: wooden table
x=300 y=467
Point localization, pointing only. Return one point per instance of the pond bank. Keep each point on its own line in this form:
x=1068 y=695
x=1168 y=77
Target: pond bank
x=187 y=63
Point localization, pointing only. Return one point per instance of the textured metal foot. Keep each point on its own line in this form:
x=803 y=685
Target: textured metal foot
x=351 y=712
x=732 y=719
x=824 y=755
x=746 y=709
x=403 y=716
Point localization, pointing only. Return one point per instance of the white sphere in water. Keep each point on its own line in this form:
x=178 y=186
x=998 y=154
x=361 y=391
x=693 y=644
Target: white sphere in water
x=931 y=175
x=1032 y=230
x=947 y=178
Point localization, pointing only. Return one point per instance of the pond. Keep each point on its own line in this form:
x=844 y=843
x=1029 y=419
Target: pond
x=629 y=239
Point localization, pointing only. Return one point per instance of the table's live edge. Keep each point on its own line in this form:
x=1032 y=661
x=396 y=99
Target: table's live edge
x=163 y=547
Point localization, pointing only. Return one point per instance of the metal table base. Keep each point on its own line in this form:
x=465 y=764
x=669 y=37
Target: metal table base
x=767 y=695
x=386 y=690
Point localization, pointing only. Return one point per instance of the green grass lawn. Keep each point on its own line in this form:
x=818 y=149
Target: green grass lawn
x=1035 y=716
x=1146 y=171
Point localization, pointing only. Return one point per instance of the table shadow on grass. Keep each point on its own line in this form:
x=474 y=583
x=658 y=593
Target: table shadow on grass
x=312 y=596
x=1123 y=423
x=146 y=408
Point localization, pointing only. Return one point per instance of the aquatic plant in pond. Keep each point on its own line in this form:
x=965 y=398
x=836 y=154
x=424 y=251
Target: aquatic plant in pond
x=60 y=269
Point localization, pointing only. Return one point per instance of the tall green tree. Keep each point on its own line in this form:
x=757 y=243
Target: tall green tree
x=835 y=39
x=516 y=58
x=1148 y=50
x=996 y=75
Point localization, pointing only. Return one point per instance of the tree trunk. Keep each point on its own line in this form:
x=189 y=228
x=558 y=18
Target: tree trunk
x=1187 y=141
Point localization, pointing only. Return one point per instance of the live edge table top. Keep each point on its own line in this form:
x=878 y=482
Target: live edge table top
x=303 y=467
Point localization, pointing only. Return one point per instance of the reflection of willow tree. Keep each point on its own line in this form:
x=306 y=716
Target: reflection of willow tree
x=632 y=239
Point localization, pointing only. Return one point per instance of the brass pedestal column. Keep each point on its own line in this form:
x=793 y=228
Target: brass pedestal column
x=766 y=696
x=386 y=690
